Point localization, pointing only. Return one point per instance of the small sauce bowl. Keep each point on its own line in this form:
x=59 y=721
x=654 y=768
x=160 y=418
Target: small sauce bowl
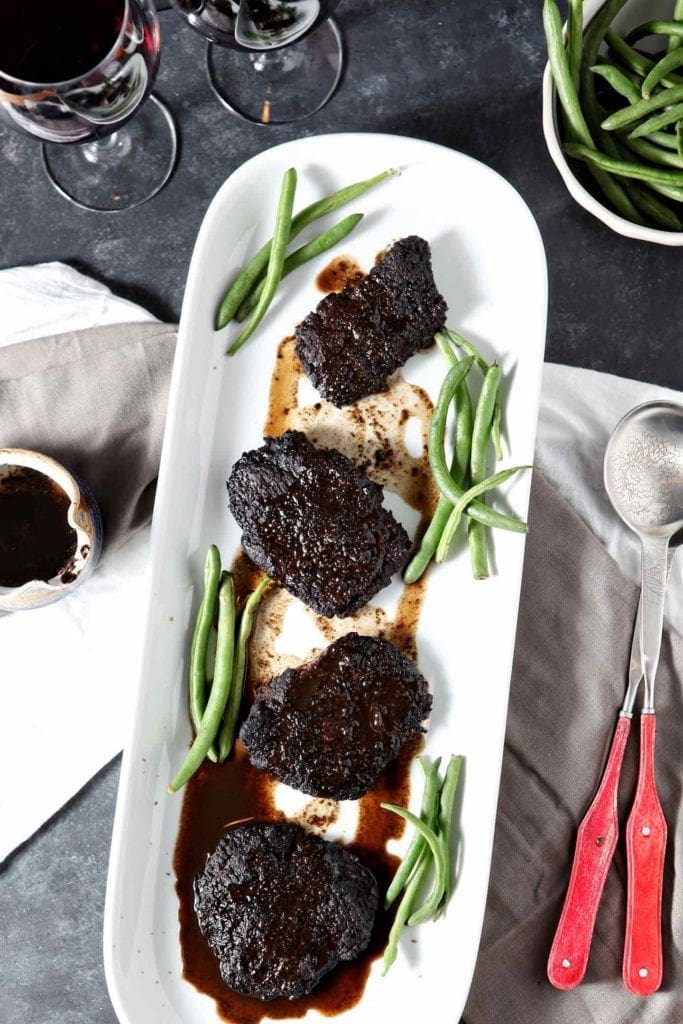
x=81 y=526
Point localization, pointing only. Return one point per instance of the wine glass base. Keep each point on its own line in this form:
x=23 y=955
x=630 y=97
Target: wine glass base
x=271 y=87
x=122 y=170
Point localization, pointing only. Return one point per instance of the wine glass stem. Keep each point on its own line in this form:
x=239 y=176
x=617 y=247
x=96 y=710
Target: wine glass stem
x=103 y=151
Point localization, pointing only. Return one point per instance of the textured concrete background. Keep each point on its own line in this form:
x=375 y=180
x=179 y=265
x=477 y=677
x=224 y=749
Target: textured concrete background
x=465 y=73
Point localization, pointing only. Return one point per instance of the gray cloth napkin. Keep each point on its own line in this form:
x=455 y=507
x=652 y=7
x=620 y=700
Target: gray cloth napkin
x=95 y=400
x=571 y=661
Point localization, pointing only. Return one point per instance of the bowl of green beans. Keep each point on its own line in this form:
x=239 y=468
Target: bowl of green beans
x=613 y=111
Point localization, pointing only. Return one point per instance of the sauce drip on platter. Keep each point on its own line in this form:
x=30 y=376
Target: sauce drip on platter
x=374 y=433
x=340 y=273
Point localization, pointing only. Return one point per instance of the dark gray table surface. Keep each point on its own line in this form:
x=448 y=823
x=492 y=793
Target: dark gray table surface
x=465 y=73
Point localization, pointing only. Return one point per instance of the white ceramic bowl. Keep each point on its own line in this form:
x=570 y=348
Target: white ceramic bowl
x=633 y=14
x=83 y=516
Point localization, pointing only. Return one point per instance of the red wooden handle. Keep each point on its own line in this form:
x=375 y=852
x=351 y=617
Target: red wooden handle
x=595 y=844
x=645 y=848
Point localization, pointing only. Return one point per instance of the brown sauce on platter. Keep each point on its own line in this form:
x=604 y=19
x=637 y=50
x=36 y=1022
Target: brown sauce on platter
x=342 y=272
x=36 y=540
x=373 y=434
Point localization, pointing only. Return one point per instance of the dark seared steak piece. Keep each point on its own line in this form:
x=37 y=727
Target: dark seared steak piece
x=280 y=908
x=330 y=727
x=315 y=523
x=354 y=340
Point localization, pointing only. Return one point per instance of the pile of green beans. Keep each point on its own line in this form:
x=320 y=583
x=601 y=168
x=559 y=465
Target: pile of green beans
x=634 y=152
x=214 y=705
x=253 y=290
x=466 y=481
x=430 y=847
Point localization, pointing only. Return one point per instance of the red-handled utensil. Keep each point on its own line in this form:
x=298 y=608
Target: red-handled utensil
x=596 y=842
x=645 y=848
x=644 y=480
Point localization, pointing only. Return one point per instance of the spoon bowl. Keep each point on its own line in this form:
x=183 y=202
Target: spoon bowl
x=644 y=469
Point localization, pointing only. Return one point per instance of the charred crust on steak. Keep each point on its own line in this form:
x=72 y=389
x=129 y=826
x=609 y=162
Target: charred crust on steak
x=315 y=523
x=355 y=339
x=330 y=727
x=280 y=907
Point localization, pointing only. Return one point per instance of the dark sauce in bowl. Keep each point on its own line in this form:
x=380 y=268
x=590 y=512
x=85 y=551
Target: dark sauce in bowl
x=36 y=540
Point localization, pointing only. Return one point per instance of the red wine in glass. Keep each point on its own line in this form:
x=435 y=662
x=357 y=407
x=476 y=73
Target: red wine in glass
x=49 y=41
x=279 y=60
x=76 y=71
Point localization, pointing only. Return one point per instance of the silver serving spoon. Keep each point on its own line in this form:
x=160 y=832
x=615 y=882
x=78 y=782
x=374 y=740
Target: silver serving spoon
x=644 y=481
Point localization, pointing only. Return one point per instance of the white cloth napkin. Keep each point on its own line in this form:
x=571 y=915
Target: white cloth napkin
x=65 y=700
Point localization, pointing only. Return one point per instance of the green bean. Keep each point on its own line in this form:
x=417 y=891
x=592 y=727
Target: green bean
x=440 y=866
x=618 y=80
x=632 y=76
x=463 y=505
x=459 y=464
x=574 y=40
x=637 y=62
x=247 y=279
x=220 y=688
x=227 y=734
x=661 y=69
x=679 y=137
x=446 y=801
x=674 y=41
x=625 y=167
x=430 y=803
x=664 y=140
x=659 y=212
x=200 y=639
x=597 y=30
x=307 y=252
x=281 y=234
x=443 y=343
x=671 y=192
x=559 y=66
x=469 y=350
x=405 y=909
x=653 y=124
x=654 y=28
x=483 y=418
x=437 y=460
x=420 y=561
x=462 y=443
x=623 y=197
x=479 y=444
x=655 y=154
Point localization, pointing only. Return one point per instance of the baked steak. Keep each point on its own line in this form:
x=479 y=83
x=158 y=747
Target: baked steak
x=315 y=523
x=331 y=726
x=354 y=340
x=280 y=908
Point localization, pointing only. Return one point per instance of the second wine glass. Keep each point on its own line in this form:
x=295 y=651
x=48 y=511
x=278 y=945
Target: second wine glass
x=269 y=61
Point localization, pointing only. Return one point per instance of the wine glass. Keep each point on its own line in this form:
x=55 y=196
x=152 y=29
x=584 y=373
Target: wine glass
x=275 y=61
x=76 y=71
